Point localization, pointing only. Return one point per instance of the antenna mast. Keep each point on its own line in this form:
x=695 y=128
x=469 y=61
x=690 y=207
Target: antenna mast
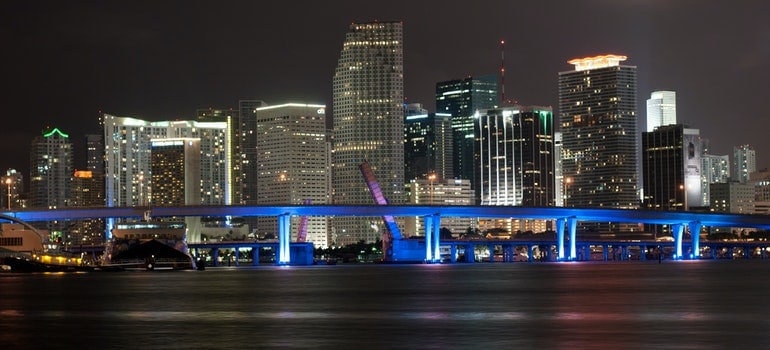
x=502 y=72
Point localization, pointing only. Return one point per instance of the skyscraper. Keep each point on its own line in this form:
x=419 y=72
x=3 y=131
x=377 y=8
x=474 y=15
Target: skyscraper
x=597 y=110
x=462 y=98
x=294 y=161
x=51 y=168
x=368 y=123
x=516 y=162
x=245 y=167
x=744 y=163
x=671 y=163
x=427 y=145
x=661 y=109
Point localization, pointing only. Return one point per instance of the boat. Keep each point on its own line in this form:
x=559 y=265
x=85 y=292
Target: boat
x=147 y=246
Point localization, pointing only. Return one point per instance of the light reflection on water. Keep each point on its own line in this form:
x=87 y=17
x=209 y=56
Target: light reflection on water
x=674 y=305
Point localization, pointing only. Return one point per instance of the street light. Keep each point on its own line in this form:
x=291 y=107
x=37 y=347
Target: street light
x=8 y=182
x=431 y=178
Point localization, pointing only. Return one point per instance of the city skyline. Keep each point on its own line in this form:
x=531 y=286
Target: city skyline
x=162 y=61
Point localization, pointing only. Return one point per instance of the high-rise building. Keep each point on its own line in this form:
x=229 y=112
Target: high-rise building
x=87 y=190
x=516 y=162
x=51 y=167
x=427 y=144
x=231 y=118
x=744 y=162
x=557 y=171
x=175 y=167
x=245 y=168
x=128 y=158
x=716 y=169
x=95 y=153
x=294 y=161
x=368 y=123
x=439 y=192
x=462 y=98
x=661 y=109
x=671 y=164
x=597 y=109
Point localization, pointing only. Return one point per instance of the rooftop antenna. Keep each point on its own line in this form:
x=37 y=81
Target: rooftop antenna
x=502 y=72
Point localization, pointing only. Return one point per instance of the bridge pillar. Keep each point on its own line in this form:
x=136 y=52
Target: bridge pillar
x=560 y=237
x=284 y=239
x=678 y=232
x=453 y=251
x=428 y=220
x=436 y=237
x=572 y=225
x=237 y=255
x=255 y=256
x=695 y=228
x=470 y=253
x=605 y=251
x=215 y=256
x=491 y=248
x=587 y=252
x=529 y=253
x=643 y=252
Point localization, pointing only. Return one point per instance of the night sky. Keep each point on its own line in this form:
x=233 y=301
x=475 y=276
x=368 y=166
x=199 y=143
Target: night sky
x=64 y=61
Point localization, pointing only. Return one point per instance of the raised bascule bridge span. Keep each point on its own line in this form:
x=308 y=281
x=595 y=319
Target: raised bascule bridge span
x=427 y=250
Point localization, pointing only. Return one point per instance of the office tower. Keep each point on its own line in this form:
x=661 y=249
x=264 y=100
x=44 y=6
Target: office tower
x=671 y=164
x=245 y=169
x=462 y=98
x=516 y=160
x=661 y=109
x=427 y=144
x=294 y=165
x=175 y=168
x=13 y=187
x=732 y=197
x=128 y=163
x=95 y=153
x=87 y=190
x=51 y=166
x=368 y=123
x=231 y=118
x=744 y=162
x=716 y=169
x=597 y=106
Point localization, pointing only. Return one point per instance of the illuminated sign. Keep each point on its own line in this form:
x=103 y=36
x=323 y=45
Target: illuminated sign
x=597 y=62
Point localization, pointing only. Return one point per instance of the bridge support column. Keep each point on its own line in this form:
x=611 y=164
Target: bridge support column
x=605 y=251
x=529 y=253
x=643 y=252
x=678 y=231
x=491 y=248
x=695 y=228
x=237 y=256
x=432 y=239
x=215 y=256
x=284 y=239
x=436 y=237
x=560 y=237
x=255 y=256
x=453 y=251
x=572 y=225
x=470 y=253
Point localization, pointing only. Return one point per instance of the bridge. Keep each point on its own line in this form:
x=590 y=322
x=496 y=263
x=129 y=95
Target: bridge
x=428 y=250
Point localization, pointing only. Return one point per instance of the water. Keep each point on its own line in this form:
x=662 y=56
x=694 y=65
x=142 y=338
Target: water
x=638 y=305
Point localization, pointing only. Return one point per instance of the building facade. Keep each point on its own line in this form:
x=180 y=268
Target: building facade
x=516 y=162
x=597 y=110
x=461 y=98
x=294 y=162
x=661 y=109
x=744 y=162
x=671 y=166
x=440 y=192
x=51 y=167
x=427 y=145
x=368 y=94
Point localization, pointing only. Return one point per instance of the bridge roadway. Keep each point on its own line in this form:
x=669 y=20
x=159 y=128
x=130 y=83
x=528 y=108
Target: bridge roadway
x=565 y=218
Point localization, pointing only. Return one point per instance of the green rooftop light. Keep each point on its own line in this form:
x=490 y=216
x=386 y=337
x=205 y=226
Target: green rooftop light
x=55 y=131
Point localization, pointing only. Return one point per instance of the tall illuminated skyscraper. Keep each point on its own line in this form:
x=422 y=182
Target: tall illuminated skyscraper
x=462 y=98
x=661 y=109
x=672 y=168
x=294 y=161
x=368 y=123
x=597 y=108
x=516 y=162
x=51 y=167
x=245 y=167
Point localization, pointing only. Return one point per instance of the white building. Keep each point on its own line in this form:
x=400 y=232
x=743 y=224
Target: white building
x=293 y=162
x=661 y=109
x=368 y=123
x=440 y=192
